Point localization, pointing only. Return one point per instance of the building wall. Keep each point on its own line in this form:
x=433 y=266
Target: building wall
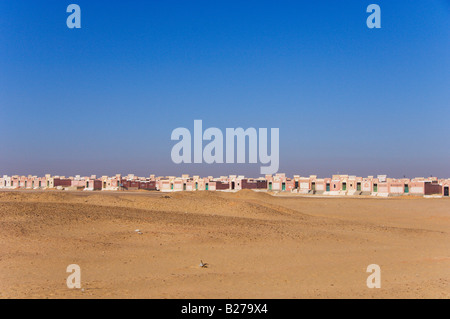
x=367 y=186
x=62 y=182
x=396 y=188
x=433 y=189
x=220 y=185
x=417 y=188
x=383 y=188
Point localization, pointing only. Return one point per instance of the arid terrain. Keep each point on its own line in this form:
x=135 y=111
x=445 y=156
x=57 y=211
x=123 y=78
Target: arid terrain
x=256 y=245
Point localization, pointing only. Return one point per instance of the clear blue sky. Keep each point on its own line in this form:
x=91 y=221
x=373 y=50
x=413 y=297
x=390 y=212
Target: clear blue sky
x=105 y=98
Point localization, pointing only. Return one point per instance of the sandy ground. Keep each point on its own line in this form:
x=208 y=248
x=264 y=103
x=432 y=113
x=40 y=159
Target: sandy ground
x=256 y=245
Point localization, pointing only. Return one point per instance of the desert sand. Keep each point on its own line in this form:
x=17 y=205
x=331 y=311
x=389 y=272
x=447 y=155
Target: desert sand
x=256 y=245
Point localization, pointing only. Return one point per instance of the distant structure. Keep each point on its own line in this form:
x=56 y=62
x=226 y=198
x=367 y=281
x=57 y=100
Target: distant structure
x=347 y=185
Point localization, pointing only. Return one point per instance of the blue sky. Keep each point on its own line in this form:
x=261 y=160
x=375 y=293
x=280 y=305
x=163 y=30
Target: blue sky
x=105 y=98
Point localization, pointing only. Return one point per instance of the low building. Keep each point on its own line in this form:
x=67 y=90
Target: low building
x=93 y=185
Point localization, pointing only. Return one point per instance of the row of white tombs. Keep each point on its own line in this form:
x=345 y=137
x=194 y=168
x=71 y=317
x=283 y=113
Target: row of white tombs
x=336 y=185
